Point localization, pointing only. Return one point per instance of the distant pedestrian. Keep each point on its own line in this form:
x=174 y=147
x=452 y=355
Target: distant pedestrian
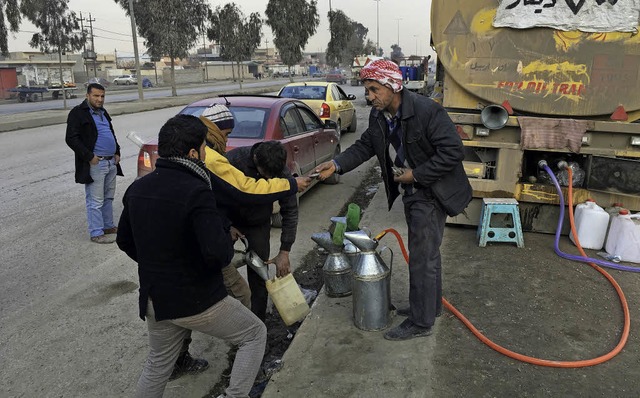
x=420 y=155
x=172 y=228
x=97 y=160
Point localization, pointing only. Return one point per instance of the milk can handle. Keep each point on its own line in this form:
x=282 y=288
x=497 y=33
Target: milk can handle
x=246 y=244
x=383 y=248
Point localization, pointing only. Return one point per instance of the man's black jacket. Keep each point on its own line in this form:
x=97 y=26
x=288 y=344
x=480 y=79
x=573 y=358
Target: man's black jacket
x=432 y=146
x=81 y=136
x=172 y=228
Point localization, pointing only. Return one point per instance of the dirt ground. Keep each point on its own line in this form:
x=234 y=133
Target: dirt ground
x=309 y=276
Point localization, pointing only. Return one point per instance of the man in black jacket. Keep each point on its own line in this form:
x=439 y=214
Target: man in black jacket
x=418 y=147
x=264 y=160
x=172 y=228
x=91 y=136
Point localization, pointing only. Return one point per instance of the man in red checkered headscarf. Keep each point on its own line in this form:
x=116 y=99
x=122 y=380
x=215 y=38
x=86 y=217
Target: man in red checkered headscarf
x=420 y=154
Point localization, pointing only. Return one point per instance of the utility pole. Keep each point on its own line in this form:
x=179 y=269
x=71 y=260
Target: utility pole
x=93 y=47
x=135 y=49
x=398 y=19
x=84 y=47
x=377 y=27
x=266 y=45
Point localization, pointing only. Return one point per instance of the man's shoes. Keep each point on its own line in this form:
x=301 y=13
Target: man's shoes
x=407 y=330
x=186 y=364
x=102 y=239
x=405 y=311
x=110 y=231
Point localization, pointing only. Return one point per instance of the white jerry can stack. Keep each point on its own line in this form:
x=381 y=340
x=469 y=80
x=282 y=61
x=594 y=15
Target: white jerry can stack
x=623 y=240
x=591 y=225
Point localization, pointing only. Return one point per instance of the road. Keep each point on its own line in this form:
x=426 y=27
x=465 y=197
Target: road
x=68 y=320
x=123 y=93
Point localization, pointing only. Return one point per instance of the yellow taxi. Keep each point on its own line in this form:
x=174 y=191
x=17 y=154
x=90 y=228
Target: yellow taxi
x=327 y=100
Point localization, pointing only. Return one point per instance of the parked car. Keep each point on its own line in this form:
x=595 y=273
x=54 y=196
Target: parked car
x=327 y=100
x=308 y=140
x=100 y=80
x=125 y=79
x=336 y=77
x=318 y=74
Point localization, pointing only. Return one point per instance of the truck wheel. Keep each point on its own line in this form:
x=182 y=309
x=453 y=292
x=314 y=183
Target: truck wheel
x=67 y=94
x=55 y=94
x=22 y=98
x=35 y=97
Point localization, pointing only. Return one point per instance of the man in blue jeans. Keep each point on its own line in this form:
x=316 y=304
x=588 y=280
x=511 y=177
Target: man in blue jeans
x=91 y=136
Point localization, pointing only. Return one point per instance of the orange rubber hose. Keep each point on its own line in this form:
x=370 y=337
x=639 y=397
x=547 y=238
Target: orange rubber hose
x=529 y=359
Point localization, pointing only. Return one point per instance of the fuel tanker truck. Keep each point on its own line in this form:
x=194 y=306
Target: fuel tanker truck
x=553 y=80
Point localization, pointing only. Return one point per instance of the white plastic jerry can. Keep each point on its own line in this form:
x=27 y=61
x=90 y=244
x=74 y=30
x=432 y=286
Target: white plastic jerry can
x=591 y=225
x=624 y=236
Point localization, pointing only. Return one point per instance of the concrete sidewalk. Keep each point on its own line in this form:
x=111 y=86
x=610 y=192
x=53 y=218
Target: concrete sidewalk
x=527 y=300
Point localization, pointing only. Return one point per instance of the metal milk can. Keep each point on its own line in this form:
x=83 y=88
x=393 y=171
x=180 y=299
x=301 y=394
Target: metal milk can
x=337 y=268
x=371 y=284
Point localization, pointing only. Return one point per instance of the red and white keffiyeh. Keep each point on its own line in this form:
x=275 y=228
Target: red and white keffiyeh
x=384 y=72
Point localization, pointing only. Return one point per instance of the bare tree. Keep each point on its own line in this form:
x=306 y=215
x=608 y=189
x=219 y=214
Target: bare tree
x=59 y=29
x=169 y=27
x=292 y=22
x=9 y=12
x=238 y=36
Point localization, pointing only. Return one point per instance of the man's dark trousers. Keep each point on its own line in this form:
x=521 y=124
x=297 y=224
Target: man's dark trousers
x=258 y=238
x=425 y=220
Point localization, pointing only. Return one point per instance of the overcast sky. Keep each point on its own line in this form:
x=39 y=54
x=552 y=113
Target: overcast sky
x=407 y=20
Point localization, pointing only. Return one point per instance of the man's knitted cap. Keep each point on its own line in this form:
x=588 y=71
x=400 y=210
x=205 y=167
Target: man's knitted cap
x=220 y=115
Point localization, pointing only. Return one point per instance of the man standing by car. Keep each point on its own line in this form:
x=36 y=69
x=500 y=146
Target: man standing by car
x=420 y=154
x=264 y=160
x=91 y=136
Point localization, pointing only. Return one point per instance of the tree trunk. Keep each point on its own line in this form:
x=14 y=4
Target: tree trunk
x=233 y=71
x=64 y=94
x=174 y=92
x=290 y=75
x=239 y=74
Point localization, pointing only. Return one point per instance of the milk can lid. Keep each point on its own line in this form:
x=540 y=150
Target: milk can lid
x=623 y=212
x=617 y=204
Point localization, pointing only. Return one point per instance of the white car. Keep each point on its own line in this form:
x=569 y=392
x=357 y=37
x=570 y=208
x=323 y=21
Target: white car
x=125 y=79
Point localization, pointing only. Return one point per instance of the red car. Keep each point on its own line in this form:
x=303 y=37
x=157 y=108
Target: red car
x=307 y=139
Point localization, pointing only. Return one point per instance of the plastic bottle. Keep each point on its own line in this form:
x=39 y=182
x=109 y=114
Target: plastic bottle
x=591 y=225
x=288 y=299
x=613 y=211
x=624 y=237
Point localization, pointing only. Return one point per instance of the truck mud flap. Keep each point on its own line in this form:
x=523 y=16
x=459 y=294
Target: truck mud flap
x=614 y=175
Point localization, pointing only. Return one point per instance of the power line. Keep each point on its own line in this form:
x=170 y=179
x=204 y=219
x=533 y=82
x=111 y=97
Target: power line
x=115 y=33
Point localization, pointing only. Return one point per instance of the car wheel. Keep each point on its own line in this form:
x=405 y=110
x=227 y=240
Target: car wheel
x=335 y=177
x=354 y=123
x=127 y=82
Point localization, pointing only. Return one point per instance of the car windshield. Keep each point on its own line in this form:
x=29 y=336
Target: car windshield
x=249 y=122
x=304 y=92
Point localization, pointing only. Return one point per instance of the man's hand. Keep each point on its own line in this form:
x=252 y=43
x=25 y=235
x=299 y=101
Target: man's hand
x=326 y=170
x=235 y=233
x=405 y=178
x=94 y=161
x=303 y=183
x=283 y=267
x=117 y=158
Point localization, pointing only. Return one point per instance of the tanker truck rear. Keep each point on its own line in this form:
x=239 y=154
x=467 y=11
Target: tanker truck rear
x=522 y=85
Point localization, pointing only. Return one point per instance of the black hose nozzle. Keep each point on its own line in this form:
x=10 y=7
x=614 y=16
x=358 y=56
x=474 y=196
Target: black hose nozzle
x=563 y=165
x=542 y=164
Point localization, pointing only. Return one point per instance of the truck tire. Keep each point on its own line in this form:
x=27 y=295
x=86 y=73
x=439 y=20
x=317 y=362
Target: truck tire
x=35 y=97
x=68 y=94
x=55 y=94
x=22 y=97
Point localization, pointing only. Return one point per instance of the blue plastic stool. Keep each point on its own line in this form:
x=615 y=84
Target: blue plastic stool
x=488 y=233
